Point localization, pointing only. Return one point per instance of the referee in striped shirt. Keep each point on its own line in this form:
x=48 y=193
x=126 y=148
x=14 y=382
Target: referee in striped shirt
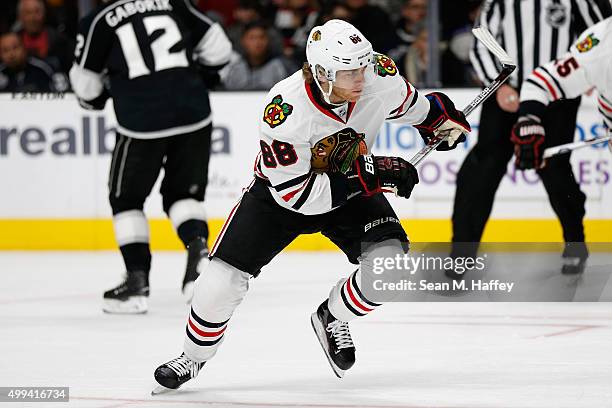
x=532 y=32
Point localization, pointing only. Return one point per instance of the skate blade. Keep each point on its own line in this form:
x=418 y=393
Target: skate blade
x=134 y=305
x=160 y=389
x=318 y=328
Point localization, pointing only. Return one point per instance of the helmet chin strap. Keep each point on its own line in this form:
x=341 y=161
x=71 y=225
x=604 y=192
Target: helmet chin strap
x=327 y=94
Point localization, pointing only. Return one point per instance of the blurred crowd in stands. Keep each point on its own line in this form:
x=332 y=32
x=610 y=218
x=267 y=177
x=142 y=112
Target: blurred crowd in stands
x=37 y=38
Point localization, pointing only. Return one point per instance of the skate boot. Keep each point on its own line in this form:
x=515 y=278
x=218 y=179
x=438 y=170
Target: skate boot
x=335 y=338
x=197 y=253
x=130 y=297
x=574 y=258
x=573 y=266
x=175 y=373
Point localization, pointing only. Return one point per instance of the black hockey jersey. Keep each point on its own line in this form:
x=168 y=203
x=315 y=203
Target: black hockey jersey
x=146 y=55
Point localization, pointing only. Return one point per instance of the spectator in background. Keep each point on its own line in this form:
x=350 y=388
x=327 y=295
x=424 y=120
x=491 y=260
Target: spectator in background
x=415 y=60
x=40 y=40
x=20 y=73
x=333 y=11
x=256 y=68
x=294 y=19
x=373 y=22
x=412 y=21
x=222 y=10
x=250 y=11
x=456 y=68
x=64 y=16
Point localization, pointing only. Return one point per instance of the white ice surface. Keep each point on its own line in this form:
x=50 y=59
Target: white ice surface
x=53 y=333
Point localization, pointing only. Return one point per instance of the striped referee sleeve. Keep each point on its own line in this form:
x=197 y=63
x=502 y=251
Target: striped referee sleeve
x=589 y=12
x=484 y=63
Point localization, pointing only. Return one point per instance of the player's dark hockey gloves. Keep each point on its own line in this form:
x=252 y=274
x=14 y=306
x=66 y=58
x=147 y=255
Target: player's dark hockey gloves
x=528 y=135
x=443 y=117
x=376 y=174
x=97 y=103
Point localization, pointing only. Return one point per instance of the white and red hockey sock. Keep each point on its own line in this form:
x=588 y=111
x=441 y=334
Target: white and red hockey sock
x=346 y=300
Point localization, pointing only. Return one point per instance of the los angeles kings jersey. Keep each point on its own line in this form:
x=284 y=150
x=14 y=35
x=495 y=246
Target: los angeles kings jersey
x=295 y=122
x=588 y=64
x=145 y=54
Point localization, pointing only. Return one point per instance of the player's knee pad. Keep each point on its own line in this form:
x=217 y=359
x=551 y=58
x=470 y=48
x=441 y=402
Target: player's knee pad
x=218 y=290
x=131 y=227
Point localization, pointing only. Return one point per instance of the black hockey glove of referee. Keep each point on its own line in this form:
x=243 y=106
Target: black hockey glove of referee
x=443 y=117
x=528 y=136
x=378 y=174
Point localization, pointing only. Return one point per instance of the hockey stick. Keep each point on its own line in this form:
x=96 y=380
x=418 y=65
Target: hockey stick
x=484 y=36
x=569 y=147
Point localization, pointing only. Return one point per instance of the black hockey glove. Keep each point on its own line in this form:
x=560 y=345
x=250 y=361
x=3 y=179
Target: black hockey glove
x=443 y=117
x=210 y=75
x=97 y=103
x=528 y=135
x=378 y=174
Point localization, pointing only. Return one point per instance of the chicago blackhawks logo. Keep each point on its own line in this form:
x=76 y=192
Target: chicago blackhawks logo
x=588 y=43
x=276 y=112
x=385 y=65
x=337 y=152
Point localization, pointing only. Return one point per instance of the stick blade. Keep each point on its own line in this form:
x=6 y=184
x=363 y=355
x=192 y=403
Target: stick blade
x=485 y=36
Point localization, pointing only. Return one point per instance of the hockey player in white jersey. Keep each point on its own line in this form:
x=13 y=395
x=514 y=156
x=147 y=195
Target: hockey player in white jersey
x=315 y=173
x=587 y=65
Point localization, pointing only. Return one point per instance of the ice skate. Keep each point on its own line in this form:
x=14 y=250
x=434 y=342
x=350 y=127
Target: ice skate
x=335 y=339
x=197 y=255
x=130 y=297
x=176 y=372
x=573 y=265
x=574 y=258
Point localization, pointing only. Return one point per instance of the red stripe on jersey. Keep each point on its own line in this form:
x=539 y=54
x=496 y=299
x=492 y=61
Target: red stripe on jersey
x=353 y=298
x=257 y=168
x=399 y=109
x=325 y=111
x=550 y=88
x=203 y=333
x=604 y=106
x=292 y=194
x=351 y=106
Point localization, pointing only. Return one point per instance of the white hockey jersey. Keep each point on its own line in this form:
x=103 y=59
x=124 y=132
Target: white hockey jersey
x=294 y=121
x=587 y=65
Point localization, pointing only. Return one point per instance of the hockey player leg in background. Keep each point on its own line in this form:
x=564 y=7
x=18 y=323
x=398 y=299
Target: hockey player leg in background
x=135 y=167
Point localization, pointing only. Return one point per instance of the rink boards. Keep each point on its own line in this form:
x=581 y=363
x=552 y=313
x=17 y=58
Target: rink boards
x=55 y=157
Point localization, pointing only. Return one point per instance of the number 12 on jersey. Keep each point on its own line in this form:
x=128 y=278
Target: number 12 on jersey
x=163 y=58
